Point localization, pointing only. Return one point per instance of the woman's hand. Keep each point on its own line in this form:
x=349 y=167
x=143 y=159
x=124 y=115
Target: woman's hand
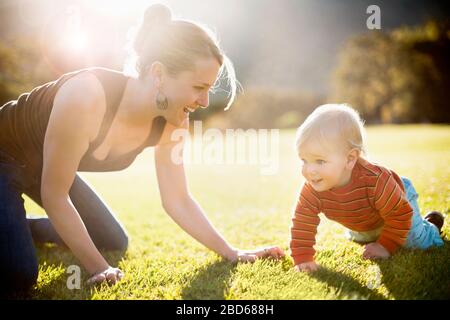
x=252 y=255
x=110 y=275
x=375 y=250
x=307 y=266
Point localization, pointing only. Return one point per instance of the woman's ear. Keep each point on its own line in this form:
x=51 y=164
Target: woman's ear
x=157 y=72
x=352 y=158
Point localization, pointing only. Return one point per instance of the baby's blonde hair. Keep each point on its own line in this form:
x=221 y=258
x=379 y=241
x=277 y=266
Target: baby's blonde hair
x=331 y=123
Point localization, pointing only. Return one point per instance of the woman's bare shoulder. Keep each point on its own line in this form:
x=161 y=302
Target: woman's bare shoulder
x=83 y=98
x=83 y=88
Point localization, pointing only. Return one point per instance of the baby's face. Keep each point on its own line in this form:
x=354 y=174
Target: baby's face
x=323 y=167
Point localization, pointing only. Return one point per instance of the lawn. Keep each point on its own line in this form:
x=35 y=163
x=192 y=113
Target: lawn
x=253 y=210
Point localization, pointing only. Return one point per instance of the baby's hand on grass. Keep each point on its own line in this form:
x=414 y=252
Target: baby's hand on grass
x=375 y=250
x=307 y=266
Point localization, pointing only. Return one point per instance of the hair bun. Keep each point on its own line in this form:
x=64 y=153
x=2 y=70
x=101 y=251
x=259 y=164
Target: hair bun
x=157 y=14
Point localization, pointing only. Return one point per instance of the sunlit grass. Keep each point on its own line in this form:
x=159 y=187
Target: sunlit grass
x=252 y=210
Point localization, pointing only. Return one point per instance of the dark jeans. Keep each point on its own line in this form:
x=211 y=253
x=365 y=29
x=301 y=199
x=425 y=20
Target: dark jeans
x=18 y=261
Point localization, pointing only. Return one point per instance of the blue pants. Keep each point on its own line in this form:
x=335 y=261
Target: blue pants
x=422 y=234
x=18 y=261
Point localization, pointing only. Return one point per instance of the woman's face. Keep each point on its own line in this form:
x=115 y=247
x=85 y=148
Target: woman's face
x=189 y=90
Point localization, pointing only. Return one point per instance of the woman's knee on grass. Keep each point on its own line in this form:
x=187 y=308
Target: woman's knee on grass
x=120 y=242
x=116 y=240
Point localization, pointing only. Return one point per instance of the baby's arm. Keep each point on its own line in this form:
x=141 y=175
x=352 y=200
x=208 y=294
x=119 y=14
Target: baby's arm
x=394 y=209
x=303 y=230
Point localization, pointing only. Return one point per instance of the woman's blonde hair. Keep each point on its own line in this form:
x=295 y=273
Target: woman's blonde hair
x=177 y=44
x=331 y=124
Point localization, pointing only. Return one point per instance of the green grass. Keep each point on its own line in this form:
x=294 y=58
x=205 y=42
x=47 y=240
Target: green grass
x=252 y=210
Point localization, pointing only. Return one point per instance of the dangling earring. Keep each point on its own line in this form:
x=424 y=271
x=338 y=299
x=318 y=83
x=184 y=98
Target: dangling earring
x=161 y=101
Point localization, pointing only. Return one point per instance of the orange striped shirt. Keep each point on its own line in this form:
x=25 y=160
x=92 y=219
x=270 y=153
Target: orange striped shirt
x=373 y=198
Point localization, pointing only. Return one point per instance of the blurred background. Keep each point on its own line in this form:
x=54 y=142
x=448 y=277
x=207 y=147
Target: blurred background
x=290 y=55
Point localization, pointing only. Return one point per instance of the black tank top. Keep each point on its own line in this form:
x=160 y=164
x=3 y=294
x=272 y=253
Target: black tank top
x=23 y=123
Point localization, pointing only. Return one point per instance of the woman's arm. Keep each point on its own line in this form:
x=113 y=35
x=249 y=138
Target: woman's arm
x=70 y=128
x=180 y=206
x=185 y=211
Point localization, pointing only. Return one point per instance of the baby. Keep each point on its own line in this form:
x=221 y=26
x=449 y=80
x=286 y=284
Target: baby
x=377 y=206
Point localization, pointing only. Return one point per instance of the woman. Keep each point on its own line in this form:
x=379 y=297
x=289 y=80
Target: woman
x=99 y=120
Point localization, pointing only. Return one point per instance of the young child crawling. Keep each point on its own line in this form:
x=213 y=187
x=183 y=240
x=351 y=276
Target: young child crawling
x=377 y=206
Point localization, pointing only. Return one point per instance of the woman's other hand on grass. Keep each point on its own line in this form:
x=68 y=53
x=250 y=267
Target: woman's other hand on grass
x=375 y=250
x=252 y=255
x=110 y=275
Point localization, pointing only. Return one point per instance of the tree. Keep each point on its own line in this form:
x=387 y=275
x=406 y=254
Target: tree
x=389 y=79
x=21 y=68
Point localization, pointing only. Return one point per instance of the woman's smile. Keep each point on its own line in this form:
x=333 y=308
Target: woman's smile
x=187 y=110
